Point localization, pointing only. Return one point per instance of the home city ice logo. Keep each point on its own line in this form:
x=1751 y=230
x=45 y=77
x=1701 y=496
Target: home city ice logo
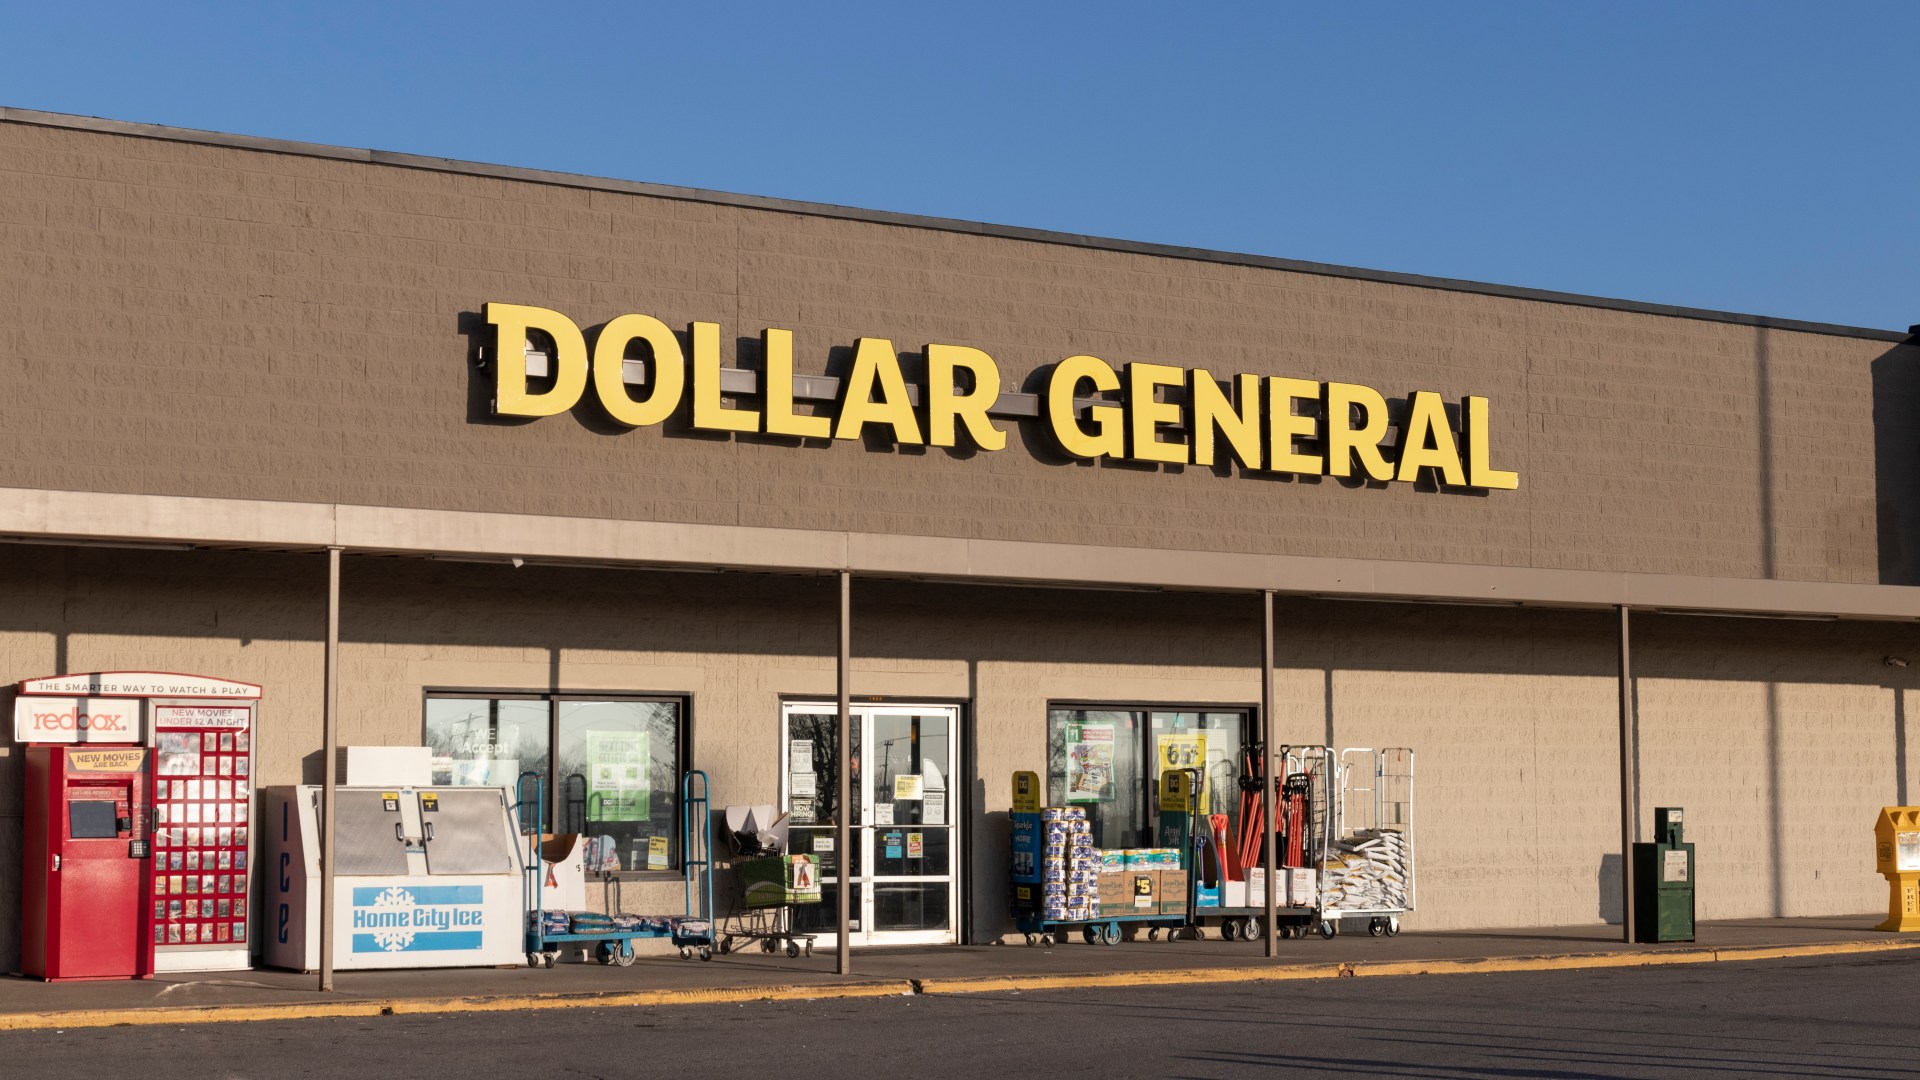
x=393 y=910
x=417 y=918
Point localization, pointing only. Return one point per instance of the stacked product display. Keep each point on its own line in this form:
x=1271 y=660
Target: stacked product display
x=1058 y=879
x=1368 y=872
x=1069 y=865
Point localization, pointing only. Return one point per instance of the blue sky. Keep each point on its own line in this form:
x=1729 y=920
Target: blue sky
x=1754 y=157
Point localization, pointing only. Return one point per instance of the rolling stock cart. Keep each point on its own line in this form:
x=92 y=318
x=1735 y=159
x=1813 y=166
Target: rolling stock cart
x=1368 y=870
x=611 y=937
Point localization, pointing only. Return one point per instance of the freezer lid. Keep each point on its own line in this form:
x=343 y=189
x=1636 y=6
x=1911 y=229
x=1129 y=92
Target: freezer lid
x=367 y=834
x=469 y=831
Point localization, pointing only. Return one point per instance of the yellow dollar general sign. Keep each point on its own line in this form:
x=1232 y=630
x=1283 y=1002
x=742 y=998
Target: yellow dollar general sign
x=1176 y=791
x=1026 y=792
x=1253 y=420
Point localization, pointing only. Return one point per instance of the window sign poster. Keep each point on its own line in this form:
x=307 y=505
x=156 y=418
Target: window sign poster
x=800 y=756
x=907 y=787
x=893 y=845
x=656 y=853
x=916 y=845
x=804 y=785
x=800 y=810
x=482 y=761
x=883 y=813
x=619 y=776
x=1089 y=762
x=934 y=810
x=1184 y=750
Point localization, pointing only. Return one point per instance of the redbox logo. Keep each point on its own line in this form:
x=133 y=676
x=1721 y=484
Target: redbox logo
x=76 y=720
x=79 y=720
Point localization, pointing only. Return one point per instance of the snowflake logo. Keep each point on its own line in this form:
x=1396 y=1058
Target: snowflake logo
x=395 y=899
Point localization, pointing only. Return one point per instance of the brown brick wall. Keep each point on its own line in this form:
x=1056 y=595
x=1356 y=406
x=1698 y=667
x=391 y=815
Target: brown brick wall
x=197 y=320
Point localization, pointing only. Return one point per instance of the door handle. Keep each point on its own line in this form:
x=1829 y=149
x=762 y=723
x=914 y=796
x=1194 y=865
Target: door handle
x=429 y=828
x=56 y=864
x=399 y=832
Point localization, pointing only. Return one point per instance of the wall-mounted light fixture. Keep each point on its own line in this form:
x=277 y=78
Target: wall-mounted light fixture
x=1895 y=661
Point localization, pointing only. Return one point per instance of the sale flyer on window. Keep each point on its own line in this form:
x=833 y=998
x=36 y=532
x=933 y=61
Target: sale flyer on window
x=619 y=776
x=1089 y=762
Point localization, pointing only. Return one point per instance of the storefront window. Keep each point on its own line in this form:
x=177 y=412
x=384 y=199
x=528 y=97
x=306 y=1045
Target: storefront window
x=1109 y=761
x=619 y=762
x=1096 y=758
x=620 y=781
x=488 y=741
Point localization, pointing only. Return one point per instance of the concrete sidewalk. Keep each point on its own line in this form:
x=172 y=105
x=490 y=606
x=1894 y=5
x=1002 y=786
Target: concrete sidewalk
x=750 y=976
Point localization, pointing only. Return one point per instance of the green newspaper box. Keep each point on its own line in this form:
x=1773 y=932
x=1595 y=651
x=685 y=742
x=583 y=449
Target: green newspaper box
x=1663 y=903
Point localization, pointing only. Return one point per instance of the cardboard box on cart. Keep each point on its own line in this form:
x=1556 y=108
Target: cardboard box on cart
x=1172 y=886
x=1298 y=888
x=563 y=872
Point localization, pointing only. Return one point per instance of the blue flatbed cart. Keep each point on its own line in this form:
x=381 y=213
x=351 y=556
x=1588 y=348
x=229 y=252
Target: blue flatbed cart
x=692 y=932
x=1100 y=930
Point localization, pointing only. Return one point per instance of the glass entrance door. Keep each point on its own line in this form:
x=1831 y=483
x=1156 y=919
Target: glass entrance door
x=905 y=836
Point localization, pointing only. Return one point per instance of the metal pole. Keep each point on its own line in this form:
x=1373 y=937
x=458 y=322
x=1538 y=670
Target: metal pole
x=843 y=826
x=330 y=730
x=1266 y=756
x=1627 y=808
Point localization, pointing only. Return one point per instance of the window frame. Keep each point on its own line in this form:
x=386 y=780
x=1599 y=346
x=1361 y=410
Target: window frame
x=554 y=812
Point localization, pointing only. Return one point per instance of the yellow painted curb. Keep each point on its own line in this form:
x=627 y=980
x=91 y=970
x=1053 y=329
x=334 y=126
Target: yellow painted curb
x=1487 y=965
x=1781 y=952
x=356 y=1007
x=320 y=1010
x=1164 y=977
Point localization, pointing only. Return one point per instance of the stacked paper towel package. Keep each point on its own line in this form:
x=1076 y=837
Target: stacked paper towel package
x=1068 y=865
x=1367 y=872
x=1120 y=860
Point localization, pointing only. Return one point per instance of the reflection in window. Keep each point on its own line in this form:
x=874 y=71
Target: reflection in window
x=618 y=776
x=1109 y=762
x=487 y=742
x=619 y=781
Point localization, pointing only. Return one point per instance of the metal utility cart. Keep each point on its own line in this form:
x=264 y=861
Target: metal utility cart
x=695 y=930
x=772 y=927
x=692 y=931
x=770 y=924
x=1368 y=870
x=1301 y=831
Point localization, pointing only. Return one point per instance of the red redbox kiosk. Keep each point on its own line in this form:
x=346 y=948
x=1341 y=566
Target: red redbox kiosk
x=194 y=788
x=86 y=888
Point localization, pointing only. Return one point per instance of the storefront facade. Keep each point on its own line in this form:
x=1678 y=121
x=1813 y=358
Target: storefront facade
x=594 y=454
